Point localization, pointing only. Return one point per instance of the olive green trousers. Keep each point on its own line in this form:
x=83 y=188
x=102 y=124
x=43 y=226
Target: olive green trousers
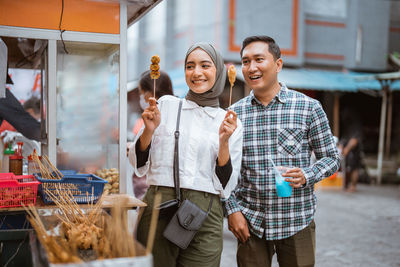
x=297 y=250
x=205 y=248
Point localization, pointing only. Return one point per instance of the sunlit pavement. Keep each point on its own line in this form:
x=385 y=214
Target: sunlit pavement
x=353 y=229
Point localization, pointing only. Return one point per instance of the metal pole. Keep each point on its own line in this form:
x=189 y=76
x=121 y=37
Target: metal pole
x=336 y=120
x=382 y=131
x=52 y=103
x=123 y=73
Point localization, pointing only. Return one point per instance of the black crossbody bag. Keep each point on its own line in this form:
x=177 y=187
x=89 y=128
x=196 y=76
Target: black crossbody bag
x=187 y=217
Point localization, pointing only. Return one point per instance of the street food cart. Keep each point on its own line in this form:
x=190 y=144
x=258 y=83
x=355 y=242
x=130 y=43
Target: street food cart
x=80 y=49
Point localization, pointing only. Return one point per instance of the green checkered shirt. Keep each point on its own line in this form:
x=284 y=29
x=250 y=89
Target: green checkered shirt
x=286 y=131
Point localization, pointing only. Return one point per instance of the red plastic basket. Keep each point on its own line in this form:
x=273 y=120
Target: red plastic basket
x=17 y=189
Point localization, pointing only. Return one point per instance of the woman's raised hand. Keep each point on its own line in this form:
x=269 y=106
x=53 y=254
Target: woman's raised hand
x=151 y=116
x=228 y=126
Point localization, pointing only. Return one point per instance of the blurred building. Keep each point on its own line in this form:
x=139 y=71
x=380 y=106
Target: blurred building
x=325 y=45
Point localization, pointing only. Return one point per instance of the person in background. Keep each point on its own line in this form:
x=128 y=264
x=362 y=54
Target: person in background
x=351 y=147
x=210 y=150
x=283 y=127
x=27 y=127
x=32 y=107
x=146 y=90
x=12 y=111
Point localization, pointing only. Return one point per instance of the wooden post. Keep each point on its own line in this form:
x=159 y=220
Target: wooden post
x=336 y=118
x=389 y=124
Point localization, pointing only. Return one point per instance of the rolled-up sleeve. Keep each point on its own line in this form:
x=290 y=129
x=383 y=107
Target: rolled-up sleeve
x=321 y=140
x=132 y=156
x=231 y=205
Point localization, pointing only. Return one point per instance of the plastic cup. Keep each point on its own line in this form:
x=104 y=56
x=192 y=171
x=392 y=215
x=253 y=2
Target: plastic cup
x=283 y=189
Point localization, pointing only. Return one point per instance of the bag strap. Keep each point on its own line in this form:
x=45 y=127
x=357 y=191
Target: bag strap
x=176 y=155
x=176 y=161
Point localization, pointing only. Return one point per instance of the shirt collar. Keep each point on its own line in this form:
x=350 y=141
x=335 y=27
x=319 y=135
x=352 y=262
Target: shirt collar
x=281 y=96
x=210 y=111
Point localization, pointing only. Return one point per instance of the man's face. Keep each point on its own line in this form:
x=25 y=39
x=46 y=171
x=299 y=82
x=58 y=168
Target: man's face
x=260 y=69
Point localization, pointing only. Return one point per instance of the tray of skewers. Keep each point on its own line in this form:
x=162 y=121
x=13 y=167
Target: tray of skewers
x=85 y=188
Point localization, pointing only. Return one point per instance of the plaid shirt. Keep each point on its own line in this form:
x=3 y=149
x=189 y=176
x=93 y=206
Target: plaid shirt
x=286 y=131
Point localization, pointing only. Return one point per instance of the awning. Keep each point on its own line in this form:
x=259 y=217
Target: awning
x=329 y=80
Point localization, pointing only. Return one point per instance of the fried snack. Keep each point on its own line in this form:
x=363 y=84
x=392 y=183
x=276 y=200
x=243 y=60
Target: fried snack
x=154 y=76
x=155 y=59
x=232 y=74
x=154 y=67
x=112 y=177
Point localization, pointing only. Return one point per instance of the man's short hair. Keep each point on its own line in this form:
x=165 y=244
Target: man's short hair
x=273 y=47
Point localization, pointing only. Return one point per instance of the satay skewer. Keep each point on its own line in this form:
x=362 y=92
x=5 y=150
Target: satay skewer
x=232 y=79
x=154 y=71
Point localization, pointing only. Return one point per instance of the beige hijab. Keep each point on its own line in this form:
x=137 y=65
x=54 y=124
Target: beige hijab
x=209 y=98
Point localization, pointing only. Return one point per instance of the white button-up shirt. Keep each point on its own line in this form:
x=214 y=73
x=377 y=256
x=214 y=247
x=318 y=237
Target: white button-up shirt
x=198 y=148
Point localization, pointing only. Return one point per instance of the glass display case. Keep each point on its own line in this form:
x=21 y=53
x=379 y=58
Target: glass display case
x=87 y=106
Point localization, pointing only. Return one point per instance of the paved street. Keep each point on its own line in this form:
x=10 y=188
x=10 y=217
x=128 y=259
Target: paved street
x=353 y=229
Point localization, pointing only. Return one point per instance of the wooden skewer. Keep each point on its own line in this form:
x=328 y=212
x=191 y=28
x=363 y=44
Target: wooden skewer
x=154 y=88
x=43 y=171
x=230 y=96
x=47 y=161
x=56 y=171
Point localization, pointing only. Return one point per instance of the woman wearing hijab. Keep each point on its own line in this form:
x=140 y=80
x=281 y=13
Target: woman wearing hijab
x=210 y=149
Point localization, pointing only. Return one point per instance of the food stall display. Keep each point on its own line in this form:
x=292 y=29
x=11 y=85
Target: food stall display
x=79 y=49
x=80 y=235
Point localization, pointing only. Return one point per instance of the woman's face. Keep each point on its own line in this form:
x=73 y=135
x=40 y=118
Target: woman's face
x=200 y=71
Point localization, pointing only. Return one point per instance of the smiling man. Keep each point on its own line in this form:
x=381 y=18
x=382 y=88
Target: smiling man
x=281 y=127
